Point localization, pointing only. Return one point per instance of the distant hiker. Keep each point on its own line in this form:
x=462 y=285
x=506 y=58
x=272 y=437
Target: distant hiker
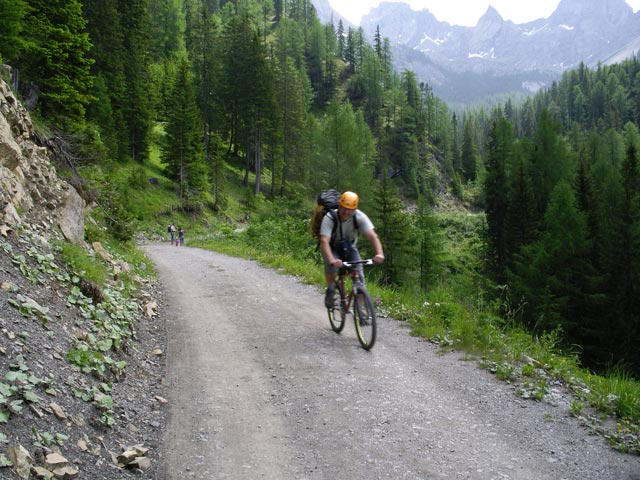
x=172 y=231
x=181 y=236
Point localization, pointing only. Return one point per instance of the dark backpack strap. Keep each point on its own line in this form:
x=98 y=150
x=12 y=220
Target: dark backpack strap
x=336 y=222
x=333 y=213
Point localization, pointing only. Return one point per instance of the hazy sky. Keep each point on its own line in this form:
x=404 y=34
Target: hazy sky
x=462 y=12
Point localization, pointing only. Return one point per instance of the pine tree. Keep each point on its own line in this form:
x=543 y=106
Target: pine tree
x=12 y=15
x=348 y=141
x=521 y=224
x=549 y=160
x=247 y=93
x=292 y=101
x=430 y=245
x=107 y=52
x=56 y=59
x=135 y=105
x=625 y=269
x=167 y=29
x=469 y=155
x=183 y=152
x=553 y=276
x=499 y=156
x=395 y=233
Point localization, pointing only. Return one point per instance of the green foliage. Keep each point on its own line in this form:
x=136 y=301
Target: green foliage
x=12 y=17
x=183 y=153
x=114 y=203
x=47 y=439
x=83 y=264
x=495 y=190
x=396 y=234
x=55 y=58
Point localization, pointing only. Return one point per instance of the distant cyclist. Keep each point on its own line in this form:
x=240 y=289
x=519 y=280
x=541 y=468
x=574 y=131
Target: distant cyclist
x=338 y=238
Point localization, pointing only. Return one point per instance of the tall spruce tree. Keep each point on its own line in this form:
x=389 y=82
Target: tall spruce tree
x=469 y=155
x=499 y=157
x=521 y=222
x=395 y=232
x=56 y=59
x=108 y=54
x=292 y=103
x=625 y=268
x=429 y=245
x=135 y=104
x=12 y=13
x=247 y=92
x=553 y=276
x=183 y=153
x=549 y=160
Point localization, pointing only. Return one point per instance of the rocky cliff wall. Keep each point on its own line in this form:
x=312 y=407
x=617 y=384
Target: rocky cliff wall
x=30 y=189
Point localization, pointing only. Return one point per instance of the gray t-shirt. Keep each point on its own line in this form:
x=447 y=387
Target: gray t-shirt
x=348 y=228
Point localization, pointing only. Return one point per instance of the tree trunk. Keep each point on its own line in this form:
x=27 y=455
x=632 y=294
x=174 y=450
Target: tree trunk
x=247 y=163
x=258 y=160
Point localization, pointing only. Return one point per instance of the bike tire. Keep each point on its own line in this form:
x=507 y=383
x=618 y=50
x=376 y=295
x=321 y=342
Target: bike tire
x=364 y=317
x=337 y=315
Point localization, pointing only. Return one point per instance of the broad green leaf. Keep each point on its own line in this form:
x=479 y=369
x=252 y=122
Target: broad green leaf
x=16 y=376
x=30 y=396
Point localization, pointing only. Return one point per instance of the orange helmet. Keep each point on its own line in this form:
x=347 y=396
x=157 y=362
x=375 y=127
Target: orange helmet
x=349 y=200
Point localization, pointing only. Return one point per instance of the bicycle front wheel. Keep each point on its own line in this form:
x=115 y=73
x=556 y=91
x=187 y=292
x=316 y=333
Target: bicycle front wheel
x=364 y=317
x=337 y=315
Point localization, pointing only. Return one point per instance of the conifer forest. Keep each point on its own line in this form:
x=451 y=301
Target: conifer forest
x=297 y=107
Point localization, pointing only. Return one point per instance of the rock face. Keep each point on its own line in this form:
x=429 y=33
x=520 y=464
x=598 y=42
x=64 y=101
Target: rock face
x=29 y=186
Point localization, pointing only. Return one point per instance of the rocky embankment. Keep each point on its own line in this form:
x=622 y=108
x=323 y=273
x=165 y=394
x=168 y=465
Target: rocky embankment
x=81 y=366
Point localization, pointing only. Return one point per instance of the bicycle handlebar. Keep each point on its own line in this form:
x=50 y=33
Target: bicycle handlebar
x=368 y=261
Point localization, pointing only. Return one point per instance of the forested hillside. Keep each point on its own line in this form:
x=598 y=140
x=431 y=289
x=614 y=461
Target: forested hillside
x=261 y=88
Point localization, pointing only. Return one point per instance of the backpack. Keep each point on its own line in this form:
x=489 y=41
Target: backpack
x=326 y=202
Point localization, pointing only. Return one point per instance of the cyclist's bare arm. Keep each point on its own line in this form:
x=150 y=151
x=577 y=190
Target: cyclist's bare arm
x=325 y=248
x=372 y=236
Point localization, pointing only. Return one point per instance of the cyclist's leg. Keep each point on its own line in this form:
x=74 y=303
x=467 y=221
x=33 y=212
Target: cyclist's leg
x=330 y=273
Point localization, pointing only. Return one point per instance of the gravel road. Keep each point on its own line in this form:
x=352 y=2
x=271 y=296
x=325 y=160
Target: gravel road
x=261 y=388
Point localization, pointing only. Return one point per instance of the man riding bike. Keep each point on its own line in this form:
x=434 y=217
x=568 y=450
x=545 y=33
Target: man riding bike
x=338 y=239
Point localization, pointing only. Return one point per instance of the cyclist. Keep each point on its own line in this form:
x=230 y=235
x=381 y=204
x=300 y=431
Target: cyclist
x=338 y=239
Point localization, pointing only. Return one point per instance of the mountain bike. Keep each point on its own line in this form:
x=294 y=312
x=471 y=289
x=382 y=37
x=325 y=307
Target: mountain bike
x=355 y=301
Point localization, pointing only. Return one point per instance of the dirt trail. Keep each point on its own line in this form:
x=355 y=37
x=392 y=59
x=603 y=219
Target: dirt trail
x=261 y=388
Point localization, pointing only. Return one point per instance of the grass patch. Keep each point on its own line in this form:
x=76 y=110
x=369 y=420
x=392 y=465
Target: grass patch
x=83 y=263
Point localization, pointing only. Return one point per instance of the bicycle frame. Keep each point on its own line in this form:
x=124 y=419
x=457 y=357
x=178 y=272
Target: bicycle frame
x=346 y=297
x=348 y=271
x=355 y=301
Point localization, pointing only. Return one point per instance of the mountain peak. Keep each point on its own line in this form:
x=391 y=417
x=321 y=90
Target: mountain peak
x=491 y=15
x=604 y=10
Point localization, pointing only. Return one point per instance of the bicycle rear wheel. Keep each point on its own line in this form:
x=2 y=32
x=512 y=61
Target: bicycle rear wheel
x=364 y=317
x=337 y=315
